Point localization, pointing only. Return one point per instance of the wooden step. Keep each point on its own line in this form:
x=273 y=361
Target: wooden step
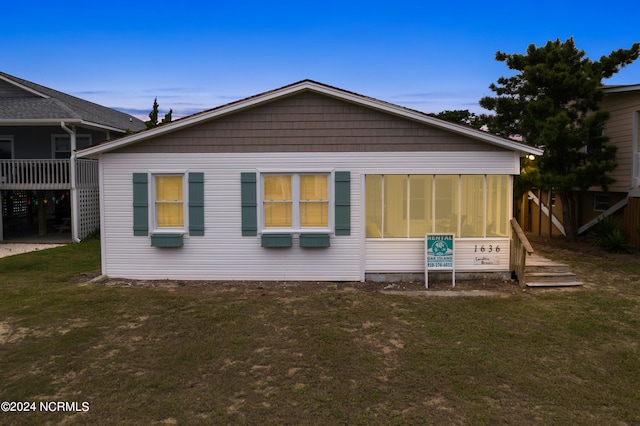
x=543 y=272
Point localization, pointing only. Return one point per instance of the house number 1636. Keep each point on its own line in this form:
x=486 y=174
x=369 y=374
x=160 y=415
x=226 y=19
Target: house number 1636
x=486 y=249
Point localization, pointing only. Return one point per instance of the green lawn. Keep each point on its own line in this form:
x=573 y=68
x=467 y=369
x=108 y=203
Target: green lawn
x=329 y=354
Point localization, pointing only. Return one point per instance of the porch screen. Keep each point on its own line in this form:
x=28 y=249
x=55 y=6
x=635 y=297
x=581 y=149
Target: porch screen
x=498 y=201
x=169 y=202
x=410 y=206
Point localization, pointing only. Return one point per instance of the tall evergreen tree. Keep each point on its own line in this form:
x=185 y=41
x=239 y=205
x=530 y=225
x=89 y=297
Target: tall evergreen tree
x=553 y=101
x=153 y=116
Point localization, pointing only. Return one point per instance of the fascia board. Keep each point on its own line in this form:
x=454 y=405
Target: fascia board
x=38 y=122
x=56 y=122
x=23 y=87
x=621 y=89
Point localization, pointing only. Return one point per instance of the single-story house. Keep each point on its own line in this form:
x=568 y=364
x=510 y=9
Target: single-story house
x=305 y=182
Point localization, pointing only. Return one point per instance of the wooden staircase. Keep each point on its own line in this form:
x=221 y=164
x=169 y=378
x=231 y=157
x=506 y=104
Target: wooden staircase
x=542 y=272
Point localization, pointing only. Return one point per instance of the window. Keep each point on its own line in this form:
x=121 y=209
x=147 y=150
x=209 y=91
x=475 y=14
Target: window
x=169 y=202
x=472 y=212
x=62 y=145
x=295 y=201
x=410 y=206
x=6 y=147
x=601 y=202
x=498 y=205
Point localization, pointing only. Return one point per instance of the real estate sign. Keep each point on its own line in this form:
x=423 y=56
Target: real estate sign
x=439 y=255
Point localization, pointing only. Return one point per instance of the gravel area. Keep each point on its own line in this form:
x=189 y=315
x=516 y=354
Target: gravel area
x=9 y=249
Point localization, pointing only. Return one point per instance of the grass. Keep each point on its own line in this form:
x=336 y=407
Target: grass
x=326 y=353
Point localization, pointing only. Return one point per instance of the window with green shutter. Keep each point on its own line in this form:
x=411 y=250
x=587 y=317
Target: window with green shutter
x=308 y=203
x=161 y=197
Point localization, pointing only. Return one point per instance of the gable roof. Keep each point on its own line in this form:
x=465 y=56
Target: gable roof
x=25 y=103
x=299 y=87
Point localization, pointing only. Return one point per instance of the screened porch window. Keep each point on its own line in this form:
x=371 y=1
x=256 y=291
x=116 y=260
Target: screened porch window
x=410 y=206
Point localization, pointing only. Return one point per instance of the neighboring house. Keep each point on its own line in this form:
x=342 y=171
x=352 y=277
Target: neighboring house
x=623 y=197
x=43 y=187
x=306 y=182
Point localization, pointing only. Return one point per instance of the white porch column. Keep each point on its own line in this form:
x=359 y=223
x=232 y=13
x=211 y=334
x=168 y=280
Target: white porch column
x=75 y=210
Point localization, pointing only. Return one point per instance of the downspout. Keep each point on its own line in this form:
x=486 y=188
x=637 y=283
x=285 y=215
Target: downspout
x=75 y=220
x=634 y=151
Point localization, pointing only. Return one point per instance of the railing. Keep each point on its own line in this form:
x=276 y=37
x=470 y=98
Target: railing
x=520 y=248
x=87 y=173
x=34 y=174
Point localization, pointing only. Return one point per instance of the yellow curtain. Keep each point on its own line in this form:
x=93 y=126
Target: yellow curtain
x=420 y=202
x=169 y=202
x=373 y=188
x=498 y=205
x=314 y=201
x=277 y=202
x=446 y=199
x=395 y=206
x=472 y=208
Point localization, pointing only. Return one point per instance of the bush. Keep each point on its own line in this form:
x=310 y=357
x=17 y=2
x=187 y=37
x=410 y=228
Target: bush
x=610 y=236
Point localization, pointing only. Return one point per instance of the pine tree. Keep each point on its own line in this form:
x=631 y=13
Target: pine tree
x=153 y=116
x=554 y=102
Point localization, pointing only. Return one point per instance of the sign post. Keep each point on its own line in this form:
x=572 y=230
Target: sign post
x=439 y=255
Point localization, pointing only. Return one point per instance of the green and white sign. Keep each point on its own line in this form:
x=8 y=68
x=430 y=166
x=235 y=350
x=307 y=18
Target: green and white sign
x=439 y=255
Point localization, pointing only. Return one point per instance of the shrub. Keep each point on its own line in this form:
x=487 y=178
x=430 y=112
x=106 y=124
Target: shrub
x=610 y=236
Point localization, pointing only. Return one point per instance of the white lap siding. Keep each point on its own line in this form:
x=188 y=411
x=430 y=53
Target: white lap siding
x=224 y=254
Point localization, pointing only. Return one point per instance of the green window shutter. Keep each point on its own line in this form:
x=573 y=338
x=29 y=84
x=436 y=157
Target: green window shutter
x=196 y=204
x=343 y=203
x=140 y=204
x=249 y=204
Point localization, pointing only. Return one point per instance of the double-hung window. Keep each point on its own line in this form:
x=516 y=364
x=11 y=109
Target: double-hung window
x=169 y=202
x=6 y=147
x=296 y=202
x=62 y=145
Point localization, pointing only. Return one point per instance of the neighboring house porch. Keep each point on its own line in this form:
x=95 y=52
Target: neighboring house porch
x=37 y=198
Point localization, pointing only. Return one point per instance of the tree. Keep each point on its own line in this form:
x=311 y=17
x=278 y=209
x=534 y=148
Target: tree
x=153 y=116
x=553 y=101
x=463 y=117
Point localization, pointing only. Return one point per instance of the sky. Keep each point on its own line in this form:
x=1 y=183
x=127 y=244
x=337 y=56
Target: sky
x=196 y=55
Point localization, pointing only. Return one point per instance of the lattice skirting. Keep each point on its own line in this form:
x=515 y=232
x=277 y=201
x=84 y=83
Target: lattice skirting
x=89 y=205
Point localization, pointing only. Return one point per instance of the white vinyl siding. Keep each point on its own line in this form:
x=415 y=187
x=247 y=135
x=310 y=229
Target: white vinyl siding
x=224 y=254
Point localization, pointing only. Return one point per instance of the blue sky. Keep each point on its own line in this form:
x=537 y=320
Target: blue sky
x=195 y=55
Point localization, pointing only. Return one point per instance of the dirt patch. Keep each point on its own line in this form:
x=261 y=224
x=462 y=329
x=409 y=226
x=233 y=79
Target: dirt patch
x=10 y=249
x=466 y=287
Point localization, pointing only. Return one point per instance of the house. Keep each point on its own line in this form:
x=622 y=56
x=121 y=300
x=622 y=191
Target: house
x=306 y=182
x=623 y=197
x=43 y=187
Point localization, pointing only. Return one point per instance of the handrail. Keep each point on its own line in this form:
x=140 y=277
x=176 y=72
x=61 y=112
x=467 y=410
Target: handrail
x=520 y=247
x=34 y=174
